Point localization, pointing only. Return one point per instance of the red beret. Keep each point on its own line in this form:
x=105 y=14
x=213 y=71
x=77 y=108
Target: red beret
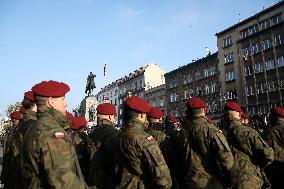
x=78 y=122
x=171 y=118
x=277 y=111
x=16 y=115
x=50 y=89
x=244 y=115
x=137 y=104
x=155 y=113
x=195 y=103
x=69 y=116
x=232 y=106
x=29 y=96
x=106 y=109
x=22 y=109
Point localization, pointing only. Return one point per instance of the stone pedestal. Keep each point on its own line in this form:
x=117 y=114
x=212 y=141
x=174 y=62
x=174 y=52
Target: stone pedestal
x=89 y=105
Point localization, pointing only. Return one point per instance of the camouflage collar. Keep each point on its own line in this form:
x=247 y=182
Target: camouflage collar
x=135 y=123
x=156 y=126
x=103 y=121
x=54 y=114
x=29 y=115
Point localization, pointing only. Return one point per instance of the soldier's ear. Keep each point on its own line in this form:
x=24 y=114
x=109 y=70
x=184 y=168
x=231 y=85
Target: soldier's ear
x=50 y=102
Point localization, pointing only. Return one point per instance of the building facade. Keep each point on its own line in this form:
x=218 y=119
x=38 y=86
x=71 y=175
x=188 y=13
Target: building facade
x=251 y=60
x=156 y=97
x=199 y=78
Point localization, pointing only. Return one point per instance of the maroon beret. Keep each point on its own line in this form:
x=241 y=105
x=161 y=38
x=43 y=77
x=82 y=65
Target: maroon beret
x=195 y=103
x=16 y=115
x=277 y=111
x=29 y=96
x=232 y=106
x=22 y=109
x=171 y=118
x=137 y=104
x=69 y=116
x=50 y=89
x=244 y=115
x=78 y=122
x=155 y=113
x=106 y=109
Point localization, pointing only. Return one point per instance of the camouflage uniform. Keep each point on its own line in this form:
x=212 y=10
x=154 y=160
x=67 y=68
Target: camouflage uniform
x=101 y=170
x=275 y=137
x=48 y=153
x=251 y=154
x=81 y=144
x=209 y=162
x=156 y=130
x=15 y=150
x=141 y=162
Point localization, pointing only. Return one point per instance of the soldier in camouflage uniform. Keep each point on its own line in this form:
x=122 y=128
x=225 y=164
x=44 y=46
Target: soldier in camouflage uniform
x=8 y=157
x=275 y=138
x=141 y=164
x=156 y=129
x=49 y=156
x=251 y=152
x=101 y=171
x=171 y=125
x=209 y=162
x=81 y=142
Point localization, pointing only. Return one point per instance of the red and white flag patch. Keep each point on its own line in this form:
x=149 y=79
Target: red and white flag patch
x=150 y=138
x=59 y=135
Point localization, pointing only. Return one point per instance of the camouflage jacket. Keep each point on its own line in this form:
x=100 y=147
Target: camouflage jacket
x=251 y=154
x=209 y=162
x=15 y=149
x=81 y=144
x=275 y=138
x=48 y=153
x=101 y=168
x=141 y=162
x=156 y=130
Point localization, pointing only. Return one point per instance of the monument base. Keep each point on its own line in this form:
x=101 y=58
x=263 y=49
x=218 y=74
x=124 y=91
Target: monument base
x=89 y=109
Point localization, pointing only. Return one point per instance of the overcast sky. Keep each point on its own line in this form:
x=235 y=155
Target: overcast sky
x=64 y=40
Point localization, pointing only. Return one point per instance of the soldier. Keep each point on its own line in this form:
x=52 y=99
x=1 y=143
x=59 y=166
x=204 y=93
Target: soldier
x=209 y=161
x=251 y=152
x=244 y=118
x=170 y=125
x=29 y=116
x=141 y=163
x=49 y=156
x=275 y=138
x=7 y=168
x=101 y=172
x=81 y=142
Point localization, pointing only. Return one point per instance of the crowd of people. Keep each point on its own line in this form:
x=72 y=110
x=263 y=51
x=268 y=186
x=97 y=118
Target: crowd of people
x=47 y=147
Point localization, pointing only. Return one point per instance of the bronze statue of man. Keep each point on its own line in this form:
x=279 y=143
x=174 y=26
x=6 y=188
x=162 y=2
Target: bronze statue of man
x=90 y=84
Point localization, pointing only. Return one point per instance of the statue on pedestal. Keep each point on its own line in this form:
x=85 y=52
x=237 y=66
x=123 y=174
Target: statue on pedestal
x=90 y=84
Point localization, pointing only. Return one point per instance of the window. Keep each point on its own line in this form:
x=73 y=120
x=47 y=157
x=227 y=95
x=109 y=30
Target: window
x=267 y=44
x=227 y=41
x=197 y=75
x=250 y=91
x=206 y=72
x=248 y=70
x=269 y=64
x=198 y=91
x=173 y=97
x=280 y=61
x=270 y=86
x=173 y=83
x=230 y=76
x=187 y=79
x=213 y=88
x=213 y=70
x=207 y=89
x=276 y=19
x=278 y=40
x=246 y=51
x=115 y=92
x=229 y=58
x=115 y=102
x=188 y=94
x=244 y=33
x=232 y=94
x=258 y=67
x=281 y=84
x=256 y=48
x=135 y=87
x=253 y=29
x=264 y=24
